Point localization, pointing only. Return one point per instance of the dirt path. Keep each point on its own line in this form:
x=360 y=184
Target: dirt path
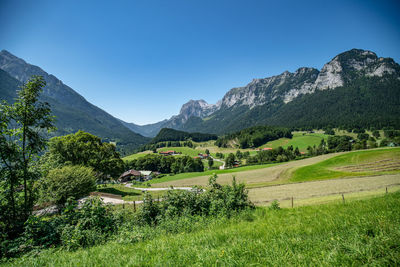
x=321 y=188
x=254 y=176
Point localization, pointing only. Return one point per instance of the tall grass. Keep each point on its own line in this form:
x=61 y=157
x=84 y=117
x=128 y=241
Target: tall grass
x=357 y=233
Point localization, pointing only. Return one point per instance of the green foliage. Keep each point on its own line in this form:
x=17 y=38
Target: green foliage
x=254 y=136
x=275 y=155
x=230 y=160
x=167 y=134
x=22 y=125
x=339 y=143
x=154 y=146
x=355 y=234
x=166 y=164
x=210 y=162
x=275 y=205
x=88 y=150
x=216 y=200
x=68 y=181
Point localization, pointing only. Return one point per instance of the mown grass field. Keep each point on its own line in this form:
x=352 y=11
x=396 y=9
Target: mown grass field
x=181 y=176
x=357 y=233
x=358 y=163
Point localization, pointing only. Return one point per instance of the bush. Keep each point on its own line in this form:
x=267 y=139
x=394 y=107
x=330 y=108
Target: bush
x=216 y=200
x=275 y=205
x=69 y=181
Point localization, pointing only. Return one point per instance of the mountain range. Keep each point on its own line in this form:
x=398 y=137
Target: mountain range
x=354 y=89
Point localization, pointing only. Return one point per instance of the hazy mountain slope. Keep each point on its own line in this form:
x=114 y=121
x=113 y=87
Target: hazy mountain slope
x=149 y=130
x=73 y=112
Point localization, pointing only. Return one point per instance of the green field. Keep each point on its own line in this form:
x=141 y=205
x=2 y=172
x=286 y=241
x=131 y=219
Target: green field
x=358 y=163
x=358 y=233
x=186 y=175
x=137 y=155
x=300 y=139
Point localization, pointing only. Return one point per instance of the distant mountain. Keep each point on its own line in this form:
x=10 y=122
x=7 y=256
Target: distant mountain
x=149 y=130
x=73 y=112
x=193 y=108
x=355 y=89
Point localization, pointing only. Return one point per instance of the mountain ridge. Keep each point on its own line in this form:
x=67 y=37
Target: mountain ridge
x=280 y=90
x=73 y=112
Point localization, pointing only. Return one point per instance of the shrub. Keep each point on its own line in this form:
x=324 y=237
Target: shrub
x=69 y=181
x=275 y=205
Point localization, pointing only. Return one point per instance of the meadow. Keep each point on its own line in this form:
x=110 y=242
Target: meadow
x=359 y=163
x=359 y=232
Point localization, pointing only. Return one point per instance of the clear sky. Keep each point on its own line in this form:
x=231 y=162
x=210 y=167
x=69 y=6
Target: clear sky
x=141 y=60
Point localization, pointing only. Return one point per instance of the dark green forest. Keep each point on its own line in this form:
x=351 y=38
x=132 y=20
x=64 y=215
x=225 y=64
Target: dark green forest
x=254 y=136
x=167 y=134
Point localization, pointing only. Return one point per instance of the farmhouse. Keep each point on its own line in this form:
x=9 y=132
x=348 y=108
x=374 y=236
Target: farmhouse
x=168 y=153
x=203 y=156
x=267 y=148
x=129 y=175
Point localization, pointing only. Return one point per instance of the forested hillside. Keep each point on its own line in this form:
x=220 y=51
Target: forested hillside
x=72 y=111
x=167 y=134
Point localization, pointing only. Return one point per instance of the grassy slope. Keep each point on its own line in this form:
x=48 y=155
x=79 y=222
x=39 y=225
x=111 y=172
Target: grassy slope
x=300 y=139
x=181 y=176
x=357 y=233
x=325 y=169
x=137 y=155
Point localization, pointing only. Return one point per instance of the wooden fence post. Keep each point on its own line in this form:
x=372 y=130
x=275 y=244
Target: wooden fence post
x=134 y=206
x=123 y=205
x=292 y=202
x=343 y=198
x=386 y=190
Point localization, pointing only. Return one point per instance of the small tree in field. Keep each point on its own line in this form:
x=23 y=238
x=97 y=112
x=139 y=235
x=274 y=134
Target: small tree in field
x=210 y=162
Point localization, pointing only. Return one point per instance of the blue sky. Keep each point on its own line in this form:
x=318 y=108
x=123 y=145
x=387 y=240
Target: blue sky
x=141 y=60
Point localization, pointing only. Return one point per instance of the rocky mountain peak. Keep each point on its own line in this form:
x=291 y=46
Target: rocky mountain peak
x=197 y=108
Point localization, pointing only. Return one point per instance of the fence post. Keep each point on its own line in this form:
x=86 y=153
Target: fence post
x=134 y=206
x=386 y=190
x=292 y=202
x=343 y=198
x=123 y=205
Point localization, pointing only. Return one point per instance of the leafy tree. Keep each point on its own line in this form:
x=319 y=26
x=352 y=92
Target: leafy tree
x=210 y=162
x=376 y=134
x=329 y=131
x=68 y=181
x=230 y=160
x=88 y=150
x=207 y=152
x=239 y=154
x=21 y=127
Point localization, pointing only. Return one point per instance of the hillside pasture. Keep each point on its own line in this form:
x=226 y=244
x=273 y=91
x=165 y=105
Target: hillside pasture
x=358 y=163
x=358 y=233
x=300 y=139
x=137 y=155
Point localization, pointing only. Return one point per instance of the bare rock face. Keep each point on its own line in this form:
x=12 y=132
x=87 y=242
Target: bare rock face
x=330 y=76
x=197 y=108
